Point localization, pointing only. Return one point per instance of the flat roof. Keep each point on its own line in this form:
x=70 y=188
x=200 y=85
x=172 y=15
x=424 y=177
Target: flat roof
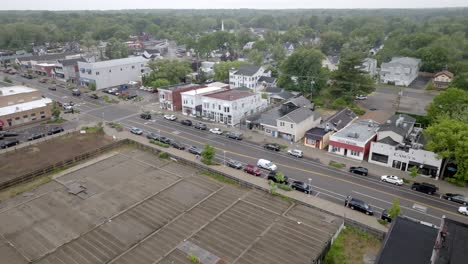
x=12 y=90
x=454 y=246
x=113 y=63
x=202 y=91
x=360 y=131
x=17 y=108
x=230 y=95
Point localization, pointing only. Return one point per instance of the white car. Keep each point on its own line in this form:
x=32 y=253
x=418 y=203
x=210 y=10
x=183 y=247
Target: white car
x=266 y=164
x=296 y=153
x=216 y=131
x=463 y=210
x=392 y=179
x=170 y=117
x=361 y=97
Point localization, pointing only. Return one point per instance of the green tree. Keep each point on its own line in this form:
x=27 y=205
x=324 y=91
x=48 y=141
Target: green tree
x=160 y=83
x=92 y=86
x=256 y=57
x=278 y=53
x=413 y=171
x=222 y=70
x=116 y=49
x=332 y=42
x=434 y=58
x=460 y=81
x=170 y=70
x=394 y=211
x=7 y=80
x=260 y=45
x=273 y=187
x=448 y=138
x=452 y=103
x=279 y=177
x=55 y=110
x=208 y=154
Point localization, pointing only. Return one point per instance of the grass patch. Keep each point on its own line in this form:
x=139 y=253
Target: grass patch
x=24 y=187
x=94 y=129
x=455 y=181
x=157 y=143
x=109 y=100
x=220 y=178
x=350 y=247
x=284 y=197
x=336 y=164
x=116 y=126
x=163 y=155
x=382 y=222
x=57 y=121
x=406 y=181
x=284 y=187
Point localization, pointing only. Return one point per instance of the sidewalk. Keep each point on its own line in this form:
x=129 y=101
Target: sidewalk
x=315 y=202
x=321 y=156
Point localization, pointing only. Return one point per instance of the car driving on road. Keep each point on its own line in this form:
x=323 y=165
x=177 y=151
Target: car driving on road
x=234 y=164
x=186 y=122
x=463 y=210
x=392 y=179
x=216 y=131
x=458 y=198
x=234 y=135
x=272 y=146
x=170 y=117
x=136 y=131
x=145 y=115
x=200 y=125
x=266 y=164
x=359 y=170
x=296 y=153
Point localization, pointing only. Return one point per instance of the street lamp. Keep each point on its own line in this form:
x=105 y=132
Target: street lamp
x=159 y=133
x=224 y=161
x=310 y=186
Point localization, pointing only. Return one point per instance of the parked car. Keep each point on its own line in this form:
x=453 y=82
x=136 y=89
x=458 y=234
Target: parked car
x=266 y=164
x=296 y=153
x=186 y=122
x=131 y=96
x=68 y=109
x=195 y=150
x=359 y=170
x=177 y=145
x=136 y=131
x=251 y=169
x=170 y=117
x=216 y=131
x=36 y=136
x=152 y=136
x=301 y=186
x=271 y=146
x=392 y=179
x=9 y=143
x=200 y=125
x=52 y=88
x=76 y=92
x=234 y=135
x=43 y=80
x=361 y=97
x=385 y=216
x=8 y=134
x=463 y=210
x=424 y=187
x=359 y=205
x=272 y=176
x=165 y=140
x=145 y=115
x=234 y=164
x=55 y=130
x=458 y=198
x=94 y=96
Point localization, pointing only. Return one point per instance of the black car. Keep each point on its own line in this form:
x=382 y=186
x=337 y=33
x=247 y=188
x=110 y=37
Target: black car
x=458 y=198
x=177 y=145
x=195 y=150
x=234 y=164
x=55 y=130
x=165 y=140
x=386 y=216
x=145 y=115
x=131 y=96
x=36 y=136
x=424 y=187
x=356 y=204
x=272 y=176
x=301 y=186
x=186 y=122
x=94 y=96
x=152 y=136
x=9 y=143
x=200 y=126
x=76 y=92
x=52 y=88
x=359 y=170
x=234 y=135
x=8 y=134
x=274 y=147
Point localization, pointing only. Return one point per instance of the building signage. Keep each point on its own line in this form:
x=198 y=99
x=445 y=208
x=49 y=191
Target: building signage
x=404 y=156
x=346 y=142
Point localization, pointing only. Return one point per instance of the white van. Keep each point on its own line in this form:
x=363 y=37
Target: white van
x=266 y=164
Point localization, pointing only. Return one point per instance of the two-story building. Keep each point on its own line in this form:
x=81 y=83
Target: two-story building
x=399 y=145
x=400 y=71
x=231 y=106
x=20 y=105
x=112 y=73
x=369 y=65
x=442 y=79
x=354 y=140
x=192 y=100
x=247 y=76
x=67 y=70
x=170 y=97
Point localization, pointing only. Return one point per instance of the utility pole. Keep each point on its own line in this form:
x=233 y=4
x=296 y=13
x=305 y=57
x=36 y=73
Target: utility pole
x=400 y=93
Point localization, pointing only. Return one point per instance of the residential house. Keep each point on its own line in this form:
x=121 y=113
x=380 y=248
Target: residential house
x=170 y=97
x=8 y=56
x=247 y=76
x=288 y=48
x=248 y=45
x=67 y=70
x=400 y=71
x=266 y=82
x=278 y=95
x=399 y=145
x=354 y=140
x=318 y=137
x=290 y=120
x=112 y=73
x=442 y=79
x=331 y=62
x=369 y=65
x=192 y=100
x=231 y=106
x=207 y=67
x=20 y=105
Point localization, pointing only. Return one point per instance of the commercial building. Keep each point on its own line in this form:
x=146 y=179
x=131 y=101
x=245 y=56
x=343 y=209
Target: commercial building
x=399 y=145
x=230 y=106
x=44 y=69
x=112 y=73
x=192 y=100
x=247 y=76
x=67 y=70
x=354 y=140
x=400 y=71
x=20 y=105
x=170 y=97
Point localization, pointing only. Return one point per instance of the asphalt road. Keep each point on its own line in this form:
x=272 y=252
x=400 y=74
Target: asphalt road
x=327 y=183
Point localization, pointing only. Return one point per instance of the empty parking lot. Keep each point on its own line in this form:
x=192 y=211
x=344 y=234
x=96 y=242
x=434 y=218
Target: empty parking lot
x=135 y=208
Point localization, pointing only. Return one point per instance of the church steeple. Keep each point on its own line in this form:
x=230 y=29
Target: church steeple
x=222 y=25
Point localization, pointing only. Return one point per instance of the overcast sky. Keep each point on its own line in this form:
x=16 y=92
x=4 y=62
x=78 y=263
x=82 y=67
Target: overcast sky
x=227 y=4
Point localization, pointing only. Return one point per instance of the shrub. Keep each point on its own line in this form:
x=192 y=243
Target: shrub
x=208 y=154
x=382 y=222
x=7 y=80
x=284 y=187
x=163 y=155
x=164 y=145
x=336 y=164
